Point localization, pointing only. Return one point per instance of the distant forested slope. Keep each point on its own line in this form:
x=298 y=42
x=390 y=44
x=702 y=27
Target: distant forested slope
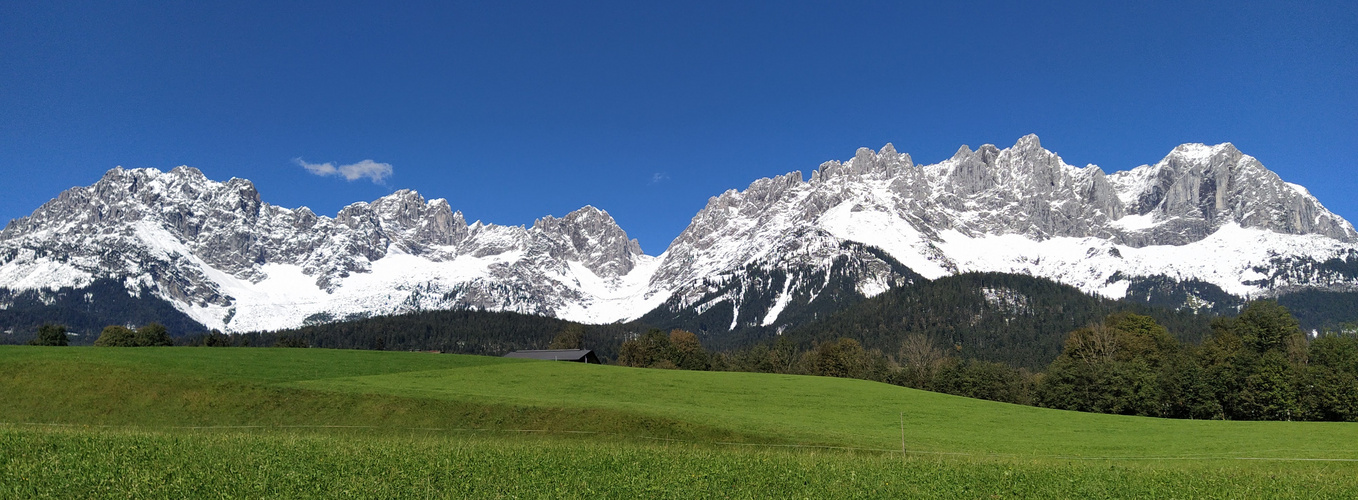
x=464 y=332
x=86 y=311
x=1015 y=319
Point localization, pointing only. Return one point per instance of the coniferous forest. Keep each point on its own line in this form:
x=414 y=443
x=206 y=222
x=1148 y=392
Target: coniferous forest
x=462 y=332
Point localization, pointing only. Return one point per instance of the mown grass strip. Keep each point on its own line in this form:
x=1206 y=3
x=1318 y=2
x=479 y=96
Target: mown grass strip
x=69 y=463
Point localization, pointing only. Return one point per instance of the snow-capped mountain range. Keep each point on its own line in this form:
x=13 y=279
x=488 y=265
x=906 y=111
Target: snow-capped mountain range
x=232 y=262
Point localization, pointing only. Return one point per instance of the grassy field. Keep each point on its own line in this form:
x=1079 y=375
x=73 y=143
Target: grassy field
x=203 y=422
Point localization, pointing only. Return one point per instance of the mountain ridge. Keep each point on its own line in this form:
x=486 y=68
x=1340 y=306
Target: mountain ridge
x=754 y=256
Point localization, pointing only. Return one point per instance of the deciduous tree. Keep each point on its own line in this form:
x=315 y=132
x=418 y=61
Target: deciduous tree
x=153 y=334
x=116 y=336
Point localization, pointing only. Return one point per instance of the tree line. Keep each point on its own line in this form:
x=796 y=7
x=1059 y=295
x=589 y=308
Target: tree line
x=844 y=357
x=1258 y=365
x=148 y=335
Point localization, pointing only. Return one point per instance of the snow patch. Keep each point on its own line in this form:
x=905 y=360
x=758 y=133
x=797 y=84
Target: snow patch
x=1197 y=152
x=1299 y=189
x=897 y=237
x=43 y=274
x=1135 y=222
x=780 y=303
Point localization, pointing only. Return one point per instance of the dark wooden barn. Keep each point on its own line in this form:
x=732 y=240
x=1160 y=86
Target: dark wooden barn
x=577 y=355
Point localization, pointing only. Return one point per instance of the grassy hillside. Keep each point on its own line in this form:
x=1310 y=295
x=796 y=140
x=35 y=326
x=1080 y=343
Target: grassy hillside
x=312 y=422
x=834 y=411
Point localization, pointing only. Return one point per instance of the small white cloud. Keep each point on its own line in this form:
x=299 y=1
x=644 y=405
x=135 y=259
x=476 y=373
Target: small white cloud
x=368 y=169
x=659 y=177
x=316 y=168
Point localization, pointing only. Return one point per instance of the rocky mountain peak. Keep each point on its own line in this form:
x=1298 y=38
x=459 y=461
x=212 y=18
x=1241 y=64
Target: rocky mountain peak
x=590 y=236
x=1196 y=153
x=190 y=174
x=240 y=196
x=402 y=209
x=417 y=225
x=885 y=162
x=1028 y=142
x=1196 y=189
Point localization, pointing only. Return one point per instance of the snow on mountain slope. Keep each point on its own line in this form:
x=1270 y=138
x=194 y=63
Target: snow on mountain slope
x=782 y=251
x=1208 y=213
x=1233 y=258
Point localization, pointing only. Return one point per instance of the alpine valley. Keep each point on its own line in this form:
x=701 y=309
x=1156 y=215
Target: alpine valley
x=1203 y=228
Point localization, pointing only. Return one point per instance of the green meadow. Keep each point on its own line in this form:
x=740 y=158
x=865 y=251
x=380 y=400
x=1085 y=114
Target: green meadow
x=249 y=422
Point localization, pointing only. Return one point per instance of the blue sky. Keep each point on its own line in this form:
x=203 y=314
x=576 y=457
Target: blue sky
x=517 y=110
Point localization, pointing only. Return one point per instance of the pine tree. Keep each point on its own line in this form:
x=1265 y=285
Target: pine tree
x=572 y=336
x=51 y=335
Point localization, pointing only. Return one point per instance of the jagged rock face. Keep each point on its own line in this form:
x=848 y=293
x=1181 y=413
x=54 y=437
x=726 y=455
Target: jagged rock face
x=589 y=236
x=1197 y=189
x=208 y=245
x=779 y=252
x=1023 y=189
